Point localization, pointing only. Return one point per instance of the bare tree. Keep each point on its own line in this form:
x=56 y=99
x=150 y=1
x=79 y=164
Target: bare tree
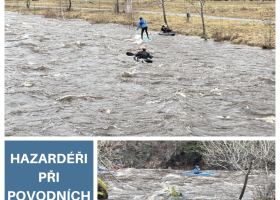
x=28 y=3
x=200 y=11
x=69 y=7
x=117 y=7
x=128 y=6
x=161 y=3
x=157 y=153
x=239 y=155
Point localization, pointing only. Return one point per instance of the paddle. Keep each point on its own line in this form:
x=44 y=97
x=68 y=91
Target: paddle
x=130 y=54
x=133 y=33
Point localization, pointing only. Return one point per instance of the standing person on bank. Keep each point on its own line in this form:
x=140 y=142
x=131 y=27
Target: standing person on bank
x=144 y=27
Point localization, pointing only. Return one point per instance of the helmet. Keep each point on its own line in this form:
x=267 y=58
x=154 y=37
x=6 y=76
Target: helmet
x=118 y=163
x=196 y=166
x=141 y=18
x=144 y=48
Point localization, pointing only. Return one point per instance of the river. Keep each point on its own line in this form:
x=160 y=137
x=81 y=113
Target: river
x=73 y=78
x=139 y=184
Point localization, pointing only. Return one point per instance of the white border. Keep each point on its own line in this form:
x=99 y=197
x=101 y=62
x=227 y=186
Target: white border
x=95 y=139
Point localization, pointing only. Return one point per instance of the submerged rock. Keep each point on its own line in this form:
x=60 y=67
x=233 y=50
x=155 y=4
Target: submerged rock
x=169 y=193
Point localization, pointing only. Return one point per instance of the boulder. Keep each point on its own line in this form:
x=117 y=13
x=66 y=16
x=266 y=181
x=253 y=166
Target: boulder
x=170 y=192
x=102 y=190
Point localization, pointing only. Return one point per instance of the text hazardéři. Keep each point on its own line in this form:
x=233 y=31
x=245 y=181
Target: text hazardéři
x=70 y=158
x=49 y=195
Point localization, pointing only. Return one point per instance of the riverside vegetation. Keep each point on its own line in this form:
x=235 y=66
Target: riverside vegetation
x=261 y=34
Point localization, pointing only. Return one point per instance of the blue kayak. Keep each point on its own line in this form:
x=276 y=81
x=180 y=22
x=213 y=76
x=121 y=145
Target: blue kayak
x=201 y=174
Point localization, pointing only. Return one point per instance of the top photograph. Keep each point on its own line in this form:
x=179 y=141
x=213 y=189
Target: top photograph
x=143 y=68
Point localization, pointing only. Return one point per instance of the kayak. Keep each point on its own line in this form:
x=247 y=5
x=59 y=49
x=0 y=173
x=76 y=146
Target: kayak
x=167 y=34
x=200 y=174
x=143 y=60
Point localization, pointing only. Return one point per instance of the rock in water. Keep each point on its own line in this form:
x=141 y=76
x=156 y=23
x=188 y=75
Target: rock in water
x=170 y=192
x=102 y=190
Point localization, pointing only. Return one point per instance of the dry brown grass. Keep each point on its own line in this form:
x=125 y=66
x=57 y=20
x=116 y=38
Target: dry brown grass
x=247 y=33
x=235 y=9
x=49 y=13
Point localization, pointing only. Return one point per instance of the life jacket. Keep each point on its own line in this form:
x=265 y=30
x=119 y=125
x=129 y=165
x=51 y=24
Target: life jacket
x=117 y=167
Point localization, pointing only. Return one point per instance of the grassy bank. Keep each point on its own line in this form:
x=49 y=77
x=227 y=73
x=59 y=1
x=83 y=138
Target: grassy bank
x=236 y=9
x=247 y=33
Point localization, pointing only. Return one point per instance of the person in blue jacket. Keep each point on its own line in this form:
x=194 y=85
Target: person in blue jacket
x=144 y=27
x=99 y=169
x=196 y=170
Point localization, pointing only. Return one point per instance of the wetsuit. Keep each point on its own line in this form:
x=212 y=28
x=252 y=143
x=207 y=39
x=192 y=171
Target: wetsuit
x=165 y=29
x=144 y=27
x=143 y=55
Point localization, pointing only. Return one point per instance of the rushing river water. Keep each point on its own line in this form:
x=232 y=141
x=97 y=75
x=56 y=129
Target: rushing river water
x=73 y=78
x=138 y=184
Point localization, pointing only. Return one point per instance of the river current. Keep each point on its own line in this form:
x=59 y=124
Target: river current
x=139 y=184
x=73 y=78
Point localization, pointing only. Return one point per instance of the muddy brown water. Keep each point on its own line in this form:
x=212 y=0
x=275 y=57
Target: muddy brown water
x=73 y=78
x=139 y=184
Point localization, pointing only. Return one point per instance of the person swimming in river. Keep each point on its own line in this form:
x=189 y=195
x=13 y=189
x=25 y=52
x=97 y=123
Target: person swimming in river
x=197 y=170
x=144 y=27
x=143 y=54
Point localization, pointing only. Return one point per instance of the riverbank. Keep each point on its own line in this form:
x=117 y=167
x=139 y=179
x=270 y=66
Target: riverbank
x=245 y=33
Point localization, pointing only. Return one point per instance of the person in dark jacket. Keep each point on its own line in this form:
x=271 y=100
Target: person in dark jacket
x=144 y=26
x=143 y=54
x=196 y=170
x=165 y=28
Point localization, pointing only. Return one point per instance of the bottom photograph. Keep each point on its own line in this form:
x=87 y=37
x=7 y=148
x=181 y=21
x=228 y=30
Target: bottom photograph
x=179 y=170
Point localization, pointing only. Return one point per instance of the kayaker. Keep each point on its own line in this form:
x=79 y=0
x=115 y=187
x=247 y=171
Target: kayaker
x=118 y=166
x=144 y=27
x=143 y=54
x=196 y=170
x=99 y=169
x=165 y=28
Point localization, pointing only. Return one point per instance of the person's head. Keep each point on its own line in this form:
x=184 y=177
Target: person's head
x=144 y=48
x=140 y=18
x=197 y=167
x=118 y=163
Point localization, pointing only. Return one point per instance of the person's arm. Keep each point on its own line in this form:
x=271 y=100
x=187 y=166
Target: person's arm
x=149 y=56
x=138 y=25
x=138 y=54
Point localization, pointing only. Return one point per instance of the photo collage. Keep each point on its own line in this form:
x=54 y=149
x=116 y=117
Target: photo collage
x=139 y=100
